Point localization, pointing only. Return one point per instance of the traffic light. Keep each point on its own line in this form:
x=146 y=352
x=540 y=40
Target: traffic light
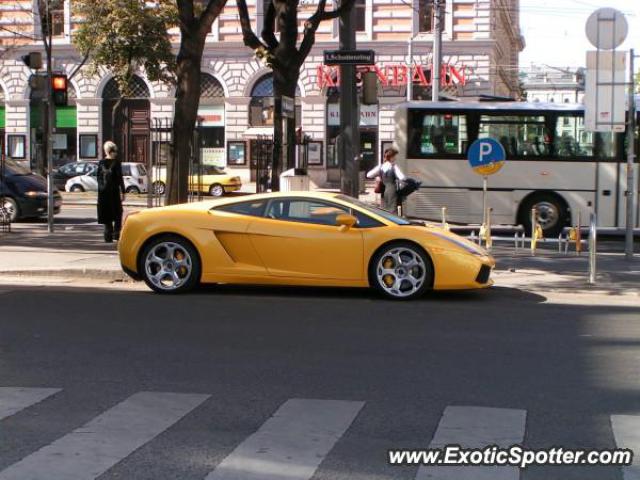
x=33 y=60
x=369 y=88
x=59 y=88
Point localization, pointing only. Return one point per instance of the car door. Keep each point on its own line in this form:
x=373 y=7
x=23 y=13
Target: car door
x=298 y=237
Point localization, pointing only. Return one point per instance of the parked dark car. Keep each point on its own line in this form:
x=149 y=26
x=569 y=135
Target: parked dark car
x=24 y=194
x=70 y=170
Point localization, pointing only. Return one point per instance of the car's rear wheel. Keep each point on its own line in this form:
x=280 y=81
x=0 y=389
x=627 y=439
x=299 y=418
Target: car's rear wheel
x=170 y=264
x=216 y=190
x=76 y=188
x=132 y=190
x=401 y=271
x=11 y=208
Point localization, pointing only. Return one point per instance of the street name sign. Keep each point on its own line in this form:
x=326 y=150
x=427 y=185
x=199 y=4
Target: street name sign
x=349 y=57
x=486 y=156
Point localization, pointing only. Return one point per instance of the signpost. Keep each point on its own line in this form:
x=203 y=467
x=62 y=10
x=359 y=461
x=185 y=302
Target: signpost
x=486 y=156
x=349 y=57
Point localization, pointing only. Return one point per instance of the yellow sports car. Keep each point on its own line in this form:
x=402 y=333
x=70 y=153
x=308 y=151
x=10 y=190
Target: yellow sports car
x=296 y=238
x=213 y=180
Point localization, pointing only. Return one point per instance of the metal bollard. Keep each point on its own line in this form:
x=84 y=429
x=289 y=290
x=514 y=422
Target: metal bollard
x=592 y=250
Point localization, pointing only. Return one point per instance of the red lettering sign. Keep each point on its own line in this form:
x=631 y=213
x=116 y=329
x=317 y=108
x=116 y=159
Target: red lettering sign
x=396 y=75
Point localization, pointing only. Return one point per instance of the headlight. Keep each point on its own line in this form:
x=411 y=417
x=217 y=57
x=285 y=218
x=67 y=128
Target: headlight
x=464 y=244
x=33 y=194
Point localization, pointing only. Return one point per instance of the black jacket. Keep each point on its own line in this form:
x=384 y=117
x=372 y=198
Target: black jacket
x=110 y=188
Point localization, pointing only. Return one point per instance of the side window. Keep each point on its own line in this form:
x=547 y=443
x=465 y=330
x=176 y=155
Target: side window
x=79 y=169
x=253 y=209
x=436 y=134
x=126 y=170
x=305 y=211
x=520 y=135
x=365 y=221
x=67 y=169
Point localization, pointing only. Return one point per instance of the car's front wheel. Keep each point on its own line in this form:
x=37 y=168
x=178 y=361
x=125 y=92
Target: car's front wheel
x=76 y=188
x=135 y=190
x=401 y=271
x=170 y=264
x=159 y=187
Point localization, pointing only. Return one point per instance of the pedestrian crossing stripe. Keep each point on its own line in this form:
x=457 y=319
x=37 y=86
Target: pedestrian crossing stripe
x=91 y=450
x=290 y=445
x=15 y=399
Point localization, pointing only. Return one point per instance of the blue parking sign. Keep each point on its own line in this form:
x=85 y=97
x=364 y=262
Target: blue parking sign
x=486 y=156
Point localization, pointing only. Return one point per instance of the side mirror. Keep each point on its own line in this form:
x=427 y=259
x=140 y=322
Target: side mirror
x=345 y=221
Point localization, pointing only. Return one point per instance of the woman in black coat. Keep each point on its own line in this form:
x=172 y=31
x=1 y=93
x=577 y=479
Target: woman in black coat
x=110 y=192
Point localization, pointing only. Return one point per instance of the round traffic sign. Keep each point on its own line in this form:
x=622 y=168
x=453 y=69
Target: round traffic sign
x=607 y=28
x=486 y=156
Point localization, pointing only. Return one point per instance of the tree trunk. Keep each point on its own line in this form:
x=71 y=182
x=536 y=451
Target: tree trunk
x=117 y=123
x=284 y=83
x=184 y=121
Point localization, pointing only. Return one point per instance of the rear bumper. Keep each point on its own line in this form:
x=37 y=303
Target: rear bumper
x=131 y=273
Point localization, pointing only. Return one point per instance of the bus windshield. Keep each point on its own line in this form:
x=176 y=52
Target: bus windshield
x=375 y=210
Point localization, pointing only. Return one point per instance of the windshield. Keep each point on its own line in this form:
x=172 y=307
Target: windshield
x=13 y=168
x=378 y=211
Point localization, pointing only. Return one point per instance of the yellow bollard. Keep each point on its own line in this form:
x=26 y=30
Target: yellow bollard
x=445 y=225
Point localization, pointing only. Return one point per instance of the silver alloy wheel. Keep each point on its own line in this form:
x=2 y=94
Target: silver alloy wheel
x=216 y=190
x=547 y=214
x=168 y=266
x=401 y=272
x=10 y=208
x=158 y=187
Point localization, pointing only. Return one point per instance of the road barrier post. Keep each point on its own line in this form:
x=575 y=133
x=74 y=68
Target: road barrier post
x=592 y=250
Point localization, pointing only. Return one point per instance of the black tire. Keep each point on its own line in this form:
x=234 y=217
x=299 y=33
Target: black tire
x=76 y=188
x=159 y=187
x=132 y=189
x=552 y=214
x=11 y=207
x=190 y=281
x=216 y=190
x=423 y=269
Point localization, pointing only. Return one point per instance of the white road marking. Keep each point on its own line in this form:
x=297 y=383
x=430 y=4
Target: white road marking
x=626 y=430
x=14 y=399
x=291 y=444
x=92 y=449
x=476 y=427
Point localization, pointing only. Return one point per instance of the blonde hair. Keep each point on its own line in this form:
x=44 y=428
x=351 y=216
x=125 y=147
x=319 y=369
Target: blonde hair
x=109 y=147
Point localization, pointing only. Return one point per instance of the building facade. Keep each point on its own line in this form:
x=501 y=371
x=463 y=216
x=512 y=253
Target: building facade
x=548 y=85
x=481 y=44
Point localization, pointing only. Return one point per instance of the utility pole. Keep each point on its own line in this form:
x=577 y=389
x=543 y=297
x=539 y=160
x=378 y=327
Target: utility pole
x=438 y=8
x=631 y=154
x=50 y=118
x=410 y=76
x=348 y=146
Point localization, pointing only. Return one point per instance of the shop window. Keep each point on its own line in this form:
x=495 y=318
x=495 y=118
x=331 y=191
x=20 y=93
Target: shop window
x=425 y=16
x=361 y=15
x=262 y=105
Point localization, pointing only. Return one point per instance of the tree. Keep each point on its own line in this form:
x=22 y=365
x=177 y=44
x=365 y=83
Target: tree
x=285 y=58
x=124 y=36
x=195 y=23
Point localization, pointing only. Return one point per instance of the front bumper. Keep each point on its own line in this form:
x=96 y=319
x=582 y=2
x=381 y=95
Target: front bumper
x=37 y=207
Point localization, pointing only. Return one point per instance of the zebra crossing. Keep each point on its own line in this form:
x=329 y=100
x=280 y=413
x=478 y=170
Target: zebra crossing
x=290 y=445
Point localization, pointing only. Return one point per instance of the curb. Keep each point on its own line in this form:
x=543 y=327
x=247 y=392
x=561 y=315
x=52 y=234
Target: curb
x=76 y=273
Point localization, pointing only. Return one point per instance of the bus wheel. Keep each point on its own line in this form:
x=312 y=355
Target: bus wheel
x=551 y=214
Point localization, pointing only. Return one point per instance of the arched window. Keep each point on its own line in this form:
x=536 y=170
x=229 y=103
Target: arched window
x=137 y=89
x=211 y=91
x=261 y=107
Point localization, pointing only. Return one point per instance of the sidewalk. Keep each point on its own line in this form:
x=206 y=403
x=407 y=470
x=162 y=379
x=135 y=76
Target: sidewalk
x=78 y=251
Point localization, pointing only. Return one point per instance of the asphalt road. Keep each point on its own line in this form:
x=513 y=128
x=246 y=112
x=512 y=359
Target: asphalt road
x=384 y=373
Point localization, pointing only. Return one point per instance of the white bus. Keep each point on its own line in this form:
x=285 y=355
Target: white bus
x=552 y=164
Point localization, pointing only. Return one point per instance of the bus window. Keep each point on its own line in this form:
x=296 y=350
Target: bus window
x=436 y=134
x=573 y=141
x=521 y=136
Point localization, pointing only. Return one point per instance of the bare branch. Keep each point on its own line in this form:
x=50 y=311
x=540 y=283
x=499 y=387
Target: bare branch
x=185 y=14
x=80 y=65
x=249 y=37
x=312 y=24
x=268 y=28
x=214 y=7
